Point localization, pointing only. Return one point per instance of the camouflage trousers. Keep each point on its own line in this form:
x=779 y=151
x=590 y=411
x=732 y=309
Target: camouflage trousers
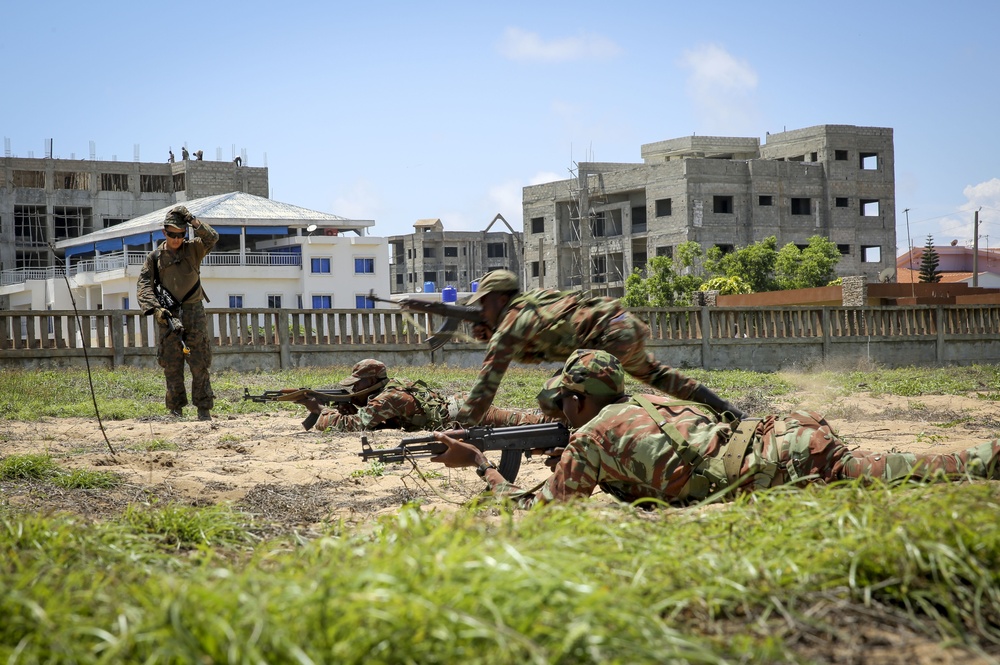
x=494 y=417
x=802 y=447
x=170 y=356
x=625 y=338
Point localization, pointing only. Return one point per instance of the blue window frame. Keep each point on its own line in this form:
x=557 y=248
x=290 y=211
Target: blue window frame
x=235 y=302
x=364 y=266
x=320 y=265
x=362 y=302
x=322 y=302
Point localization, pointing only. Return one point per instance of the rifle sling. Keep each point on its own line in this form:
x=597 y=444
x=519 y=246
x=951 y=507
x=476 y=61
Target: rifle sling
x=732 y=452
x=157 y=282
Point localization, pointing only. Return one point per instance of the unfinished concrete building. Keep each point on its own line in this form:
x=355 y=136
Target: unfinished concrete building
x=44 y=200
x=836 y=181
x=451 y=258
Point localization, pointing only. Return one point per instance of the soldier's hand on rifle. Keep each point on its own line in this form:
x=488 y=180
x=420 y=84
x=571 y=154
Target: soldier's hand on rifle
x=459 y=453
x=552 y=456
x=311 y=403
x=482 y=332
x=161 y=315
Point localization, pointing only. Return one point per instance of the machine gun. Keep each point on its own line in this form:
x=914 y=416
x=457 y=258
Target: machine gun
x=453 y=316
x=511 y=441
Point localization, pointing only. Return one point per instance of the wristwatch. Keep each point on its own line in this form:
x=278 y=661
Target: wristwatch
x=481 y=469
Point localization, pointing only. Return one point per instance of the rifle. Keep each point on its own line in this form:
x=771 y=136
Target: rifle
x=340 y=396
x=511 y=441
x=453 y=315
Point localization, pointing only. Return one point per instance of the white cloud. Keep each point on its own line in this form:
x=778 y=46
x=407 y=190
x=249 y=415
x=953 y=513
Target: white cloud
x=359 y=201
x=518 y=44
x=543 y=177
x=959 y=226
x=722 y=87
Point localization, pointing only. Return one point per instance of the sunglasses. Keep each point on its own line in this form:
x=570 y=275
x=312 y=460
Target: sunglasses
x=171 y=234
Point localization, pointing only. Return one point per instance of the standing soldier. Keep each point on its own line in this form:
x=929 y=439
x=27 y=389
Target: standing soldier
x=545 y=325
x=381 y=403
x=170 y=289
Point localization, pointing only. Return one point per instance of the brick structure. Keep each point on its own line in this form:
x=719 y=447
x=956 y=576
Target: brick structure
x=836 y=181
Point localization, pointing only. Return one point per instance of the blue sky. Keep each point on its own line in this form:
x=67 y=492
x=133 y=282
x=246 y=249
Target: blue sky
x=398 y=111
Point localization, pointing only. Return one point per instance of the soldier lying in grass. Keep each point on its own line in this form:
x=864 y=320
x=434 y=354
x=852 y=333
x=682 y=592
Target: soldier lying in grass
x=652 y=447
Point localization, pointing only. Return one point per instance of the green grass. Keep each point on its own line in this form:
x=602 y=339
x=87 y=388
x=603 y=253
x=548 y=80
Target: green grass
x=43 y=468
x=565 y=584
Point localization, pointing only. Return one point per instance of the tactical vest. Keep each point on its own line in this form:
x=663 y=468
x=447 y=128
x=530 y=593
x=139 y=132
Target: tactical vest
x=716 y=476
x=433 y=409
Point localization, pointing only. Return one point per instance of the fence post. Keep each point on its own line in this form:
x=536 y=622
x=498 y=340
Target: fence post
x=939 y=320
x=116 y=321
x=706 y=333
x=284 y=348
x=825 y=331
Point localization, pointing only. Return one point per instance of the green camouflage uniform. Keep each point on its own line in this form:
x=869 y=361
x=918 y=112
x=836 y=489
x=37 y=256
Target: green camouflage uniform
x=680 y=455
x=412 y=406
x=625 y=452
x=545 y=325
x=179 y=271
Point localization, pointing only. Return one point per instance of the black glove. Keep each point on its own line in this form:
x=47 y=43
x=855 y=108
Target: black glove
x=728 y=412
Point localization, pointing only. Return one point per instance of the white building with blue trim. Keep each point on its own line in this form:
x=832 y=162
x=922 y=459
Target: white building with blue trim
x=269 y=255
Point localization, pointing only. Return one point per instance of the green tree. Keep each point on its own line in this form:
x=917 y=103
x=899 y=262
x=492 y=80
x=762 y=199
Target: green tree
x=726 y=286
x=809 y=267
x=666 y=282
x=753 y=264
x=929 y=273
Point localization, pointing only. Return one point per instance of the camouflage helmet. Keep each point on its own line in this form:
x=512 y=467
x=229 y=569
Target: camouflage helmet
x=368 y=368
x=495 y=281
x=590 y=372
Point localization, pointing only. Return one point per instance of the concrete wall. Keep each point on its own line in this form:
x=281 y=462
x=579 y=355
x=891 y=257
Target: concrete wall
x=762 y=339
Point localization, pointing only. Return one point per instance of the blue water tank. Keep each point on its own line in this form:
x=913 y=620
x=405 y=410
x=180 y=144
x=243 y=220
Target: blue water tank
x=475 y=286
x=449 y=294
x=429 y=287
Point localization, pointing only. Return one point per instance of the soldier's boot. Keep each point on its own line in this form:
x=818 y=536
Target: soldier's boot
x=204 y=414
x=177 y=413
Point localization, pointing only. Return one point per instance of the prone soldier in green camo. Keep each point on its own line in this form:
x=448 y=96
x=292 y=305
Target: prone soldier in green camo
x=545 y=325
x=170 y=289
x=651 y=447
x=384 y=403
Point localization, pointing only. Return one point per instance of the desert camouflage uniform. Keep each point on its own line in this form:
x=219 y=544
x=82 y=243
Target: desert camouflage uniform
x=625 y=452
x=412 y=406
x=179 y=272
x=546 y=325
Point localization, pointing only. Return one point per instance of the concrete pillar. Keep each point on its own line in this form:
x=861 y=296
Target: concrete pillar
x=854 y=291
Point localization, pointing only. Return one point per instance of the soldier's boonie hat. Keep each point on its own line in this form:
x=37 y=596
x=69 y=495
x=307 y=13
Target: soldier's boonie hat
x=591 y=373
x=366 y=369
x=175 y=219
x=496 y=281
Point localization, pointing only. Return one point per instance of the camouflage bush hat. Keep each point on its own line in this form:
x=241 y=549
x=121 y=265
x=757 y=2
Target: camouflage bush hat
x=368 y=368
x=175 y=218
x=591 y=373
x=496 y=281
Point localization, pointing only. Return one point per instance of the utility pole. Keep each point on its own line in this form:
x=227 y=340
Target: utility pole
x=975 y=250
x=909 y=242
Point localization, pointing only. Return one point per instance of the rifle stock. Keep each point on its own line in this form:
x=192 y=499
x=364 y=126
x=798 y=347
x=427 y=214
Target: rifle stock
x=453 y=315
x=510 y=441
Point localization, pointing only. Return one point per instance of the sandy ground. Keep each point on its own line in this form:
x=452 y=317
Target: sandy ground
x=291 y=480
x=267 y=465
